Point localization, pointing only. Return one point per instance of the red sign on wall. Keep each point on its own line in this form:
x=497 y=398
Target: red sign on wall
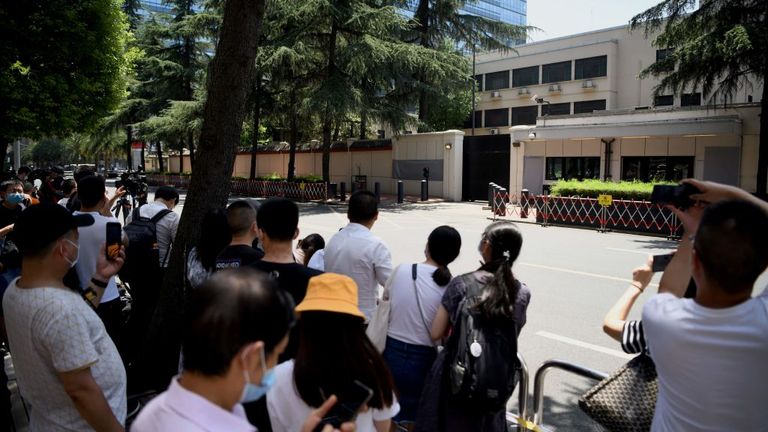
x=138 y=145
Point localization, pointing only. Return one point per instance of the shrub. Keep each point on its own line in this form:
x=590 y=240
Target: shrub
x=628 y=190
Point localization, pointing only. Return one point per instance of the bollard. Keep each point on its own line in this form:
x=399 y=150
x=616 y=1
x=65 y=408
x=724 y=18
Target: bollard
x=524 y=194
x=333 y=188
x=424 y=190
x=377 y=190
x=352 y=188
x=400 y=192
x=343 y=191
x=491 y=190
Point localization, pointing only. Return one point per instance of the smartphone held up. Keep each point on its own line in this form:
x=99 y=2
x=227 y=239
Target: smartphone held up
x=114 y=240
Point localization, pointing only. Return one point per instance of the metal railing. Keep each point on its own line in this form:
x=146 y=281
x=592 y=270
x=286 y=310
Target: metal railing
x=541 y=373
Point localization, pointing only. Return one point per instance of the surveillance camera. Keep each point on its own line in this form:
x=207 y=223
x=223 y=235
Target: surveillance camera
x=534 y=98
x=539 y=100
x=532 y=135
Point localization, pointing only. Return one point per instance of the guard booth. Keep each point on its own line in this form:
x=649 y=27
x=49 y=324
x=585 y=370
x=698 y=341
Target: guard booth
x=486 y=160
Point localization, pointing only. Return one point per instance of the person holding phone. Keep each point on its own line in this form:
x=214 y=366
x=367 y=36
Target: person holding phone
x=334 y=357
x=92 y=192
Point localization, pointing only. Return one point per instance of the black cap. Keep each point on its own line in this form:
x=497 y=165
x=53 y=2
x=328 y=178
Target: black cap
x=40 y=225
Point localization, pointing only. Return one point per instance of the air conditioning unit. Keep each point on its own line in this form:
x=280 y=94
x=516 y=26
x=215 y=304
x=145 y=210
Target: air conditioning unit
x=523 y=91
x=588 y=84
x=555 y=88
x=494 y=131
x=496 y=94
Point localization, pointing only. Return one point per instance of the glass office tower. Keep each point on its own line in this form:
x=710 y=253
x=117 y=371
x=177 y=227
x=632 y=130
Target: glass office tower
x=508 y=11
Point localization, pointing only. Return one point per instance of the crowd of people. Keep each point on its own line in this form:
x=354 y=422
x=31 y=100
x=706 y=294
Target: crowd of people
x=279 y=331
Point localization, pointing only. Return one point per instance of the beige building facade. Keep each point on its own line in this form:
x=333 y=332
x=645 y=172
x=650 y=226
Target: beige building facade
x=574 y=107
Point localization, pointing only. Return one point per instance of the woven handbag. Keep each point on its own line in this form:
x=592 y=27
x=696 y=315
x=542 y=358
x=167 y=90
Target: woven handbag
x=625 y=401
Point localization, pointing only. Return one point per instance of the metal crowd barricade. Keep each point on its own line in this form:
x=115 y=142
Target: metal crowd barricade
x=630 y=215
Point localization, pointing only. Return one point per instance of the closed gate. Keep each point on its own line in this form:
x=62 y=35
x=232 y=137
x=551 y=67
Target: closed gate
x=486 y=160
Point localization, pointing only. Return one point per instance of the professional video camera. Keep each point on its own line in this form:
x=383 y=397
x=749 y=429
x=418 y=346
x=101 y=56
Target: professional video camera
x=135 y=183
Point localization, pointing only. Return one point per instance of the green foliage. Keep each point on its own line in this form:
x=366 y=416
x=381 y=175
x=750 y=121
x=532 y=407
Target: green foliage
x=628 y=190
x=62 y=66
x=450 y=109
x=49 y=151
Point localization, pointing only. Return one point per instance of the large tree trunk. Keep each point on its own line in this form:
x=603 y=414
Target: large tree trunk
x=4 y=143
x=191 y=143
x=422 y=18
x=294 y=134
x=181 y=157
x=256 y=119
x=762 y=153
x=228 y=80
x=328 y=115
x=143 y=166
x=128 y=133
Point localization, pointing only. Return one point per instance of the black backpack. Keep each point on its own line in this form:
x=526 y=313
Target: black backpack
x=482 y=357
x=142 y=256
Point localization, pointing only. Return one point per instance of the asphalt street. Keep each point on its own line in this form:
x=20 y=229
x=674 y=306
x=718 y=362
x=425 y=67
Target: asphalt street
x=575 y=276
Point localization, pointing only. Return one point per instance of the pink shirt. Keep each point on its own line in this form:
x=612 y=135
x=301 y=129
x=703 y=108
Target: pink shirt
x=178 y=409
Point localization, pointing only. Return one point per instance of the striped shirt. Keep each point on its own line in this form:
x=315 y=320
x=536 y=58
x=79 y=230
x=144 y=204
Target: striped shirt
x=633 y=337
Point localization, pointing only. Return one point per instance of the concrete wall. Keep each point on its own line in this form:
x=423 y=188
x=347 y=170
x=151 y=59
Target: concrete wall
x=445 y=146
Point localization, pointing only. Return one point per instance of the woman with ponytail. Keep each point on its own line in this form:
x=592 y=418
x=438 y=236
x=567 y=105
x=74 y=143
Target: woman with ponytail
x=503 y=298
x=415 y=292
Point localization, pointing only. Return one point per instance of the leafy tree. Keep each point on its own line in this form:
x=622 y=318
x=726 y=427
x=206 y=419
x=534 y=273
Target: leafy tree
x=49 y=151
x=719 y=47
x=228 y=81
x=61 y=66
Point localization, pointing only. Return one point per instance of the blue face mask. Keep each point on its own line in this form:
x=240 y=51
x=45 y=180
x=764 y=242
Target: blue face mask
x=253 y=392
x=15 y=198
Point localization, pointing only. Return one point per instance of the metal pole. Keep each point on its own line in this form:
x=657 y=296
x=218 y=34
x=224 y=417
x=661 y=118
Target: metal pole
x=343 y=191
x=400 y=192
x=424 y=190
x=474 y=84
x=538 y=383
x=377 y=190
x=522 y=388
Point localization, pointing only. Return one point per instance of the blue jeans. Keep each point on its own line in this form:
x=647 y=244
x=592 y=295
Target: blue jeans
x=409 y=365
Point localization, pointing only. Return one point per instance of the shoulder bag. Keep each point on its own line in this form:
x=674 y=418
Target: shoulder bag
x=379 y=322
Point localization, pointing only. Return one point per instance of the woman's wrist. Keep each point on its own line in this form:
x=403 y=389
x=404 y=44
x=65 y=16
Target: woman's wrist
x=638 y=285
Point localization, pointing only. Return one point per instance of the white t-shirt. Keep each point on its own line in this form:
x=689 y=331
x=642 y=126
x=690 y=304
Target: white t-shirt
x=317 y=261
x=91 y=242
x=53 y=330
x=712 y=364
x=287 y=411
x=405 y=322
x=356 y=252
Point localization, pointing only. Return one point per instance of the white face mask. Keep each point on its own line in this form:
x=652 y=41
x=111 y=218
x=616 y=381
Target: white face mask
x=77 y=257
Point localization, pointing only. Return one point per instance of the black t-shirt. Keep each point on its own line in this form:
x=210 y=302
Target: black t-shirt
x=9 y=216
x=293 y=278
x=237 y=256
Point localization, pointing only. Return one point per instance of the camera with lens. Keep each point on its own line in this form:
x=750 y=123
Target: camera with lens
x=134 y=183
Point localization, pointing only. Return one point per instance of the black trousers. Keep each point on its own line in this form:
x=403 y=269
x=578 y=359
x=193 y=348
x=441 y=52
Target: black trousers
x=111 y=314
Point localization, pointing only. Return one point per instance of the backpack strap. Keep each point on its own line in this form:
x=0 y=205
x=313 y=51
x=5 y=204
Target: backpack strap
x=136 y=214
x=161 y=214
x=418 y=300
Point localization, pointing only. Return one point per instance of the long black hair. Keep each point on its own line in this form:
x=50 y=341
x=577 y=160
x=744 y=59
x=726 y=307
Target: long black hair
x=443 y=245
x=214 y=237
x=333 y=352
x=505 y=241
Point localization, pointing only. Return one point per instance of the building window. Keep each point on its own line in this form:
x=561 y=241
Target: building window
x=566 y=168
x=556 y=72
x=588 y=106
x=657 y=168
x=524 y=115
x=478 y=120
x=479 y=81
x=661 y=56
x=497 y=80
x=664 y=100
x=525 y=76
x=556 y=109
x=592 y=67
x=692 y=99
x=497 y=117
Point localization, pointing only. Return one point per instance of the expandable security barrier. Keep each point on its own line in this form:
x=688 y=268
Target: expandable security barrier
x=623 y=215
x=254 y=188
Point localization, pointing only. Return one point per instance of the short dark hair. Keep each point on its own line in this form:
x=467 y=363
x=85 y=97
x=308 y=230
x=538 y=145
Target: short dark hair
x=333 y=351
x=167 y=193
x=230 y=310
x=68 y=186
x=240 y=216
x=83 y=172
x=24 y=170
x=4 y=185
x=363 y=206
x=315 y=242
x=730 y=243
x=278 y=218
x=91 y=190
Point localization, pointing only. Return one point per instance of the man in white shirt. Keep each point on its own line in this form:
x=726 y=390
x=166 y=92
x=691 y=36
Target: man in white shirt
x=356 y=252
x=93 y=199
x=235 y=326
x=710 y=352
x=68 y=369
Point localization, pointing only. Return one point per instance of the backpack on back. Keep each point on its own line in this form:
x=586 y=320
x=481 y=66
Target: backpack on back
x=482 y=361
x=142 y=256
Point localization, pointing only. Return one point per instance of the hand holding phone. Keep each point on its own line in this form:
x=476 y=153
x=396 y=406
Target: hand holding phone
x=114 y=240
x=345 y=411
x=660 y=262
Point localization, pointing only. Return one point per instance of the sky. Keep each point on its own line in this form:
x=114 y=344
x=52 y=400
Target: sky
x=558 y=18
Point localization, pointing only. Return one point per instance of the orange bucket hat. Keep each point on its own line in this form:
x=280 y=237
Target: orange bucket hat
x=330 y=292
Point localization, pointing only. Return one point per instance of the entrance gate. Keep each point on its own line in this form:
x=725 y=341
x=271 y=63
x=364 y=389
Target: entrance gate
x=486 y=160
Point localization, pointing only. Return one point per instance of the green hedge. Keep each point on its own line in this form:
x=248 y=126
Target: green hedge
x=638 y=191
